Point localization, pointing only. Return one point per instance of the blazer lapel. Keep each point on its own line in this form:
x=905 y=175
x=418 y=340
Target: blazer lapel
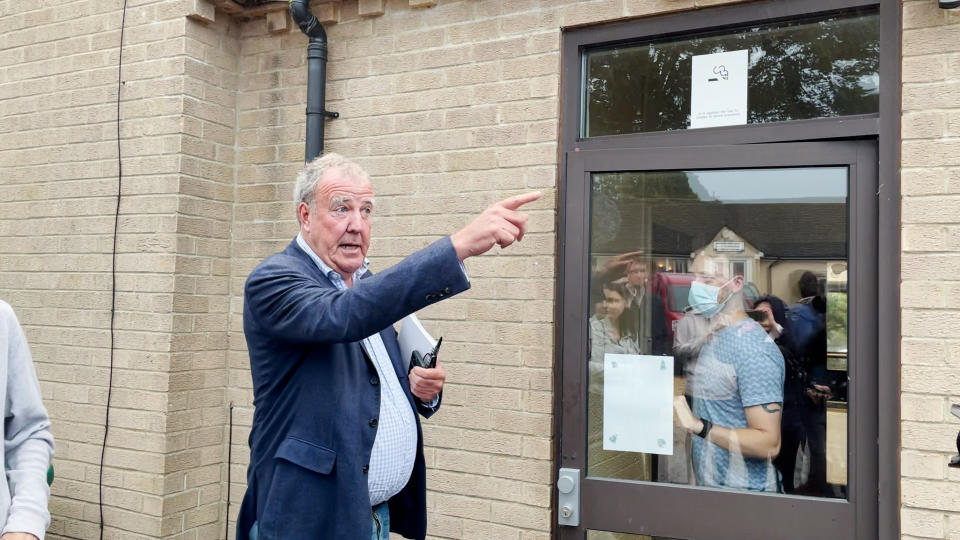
x=293 y=249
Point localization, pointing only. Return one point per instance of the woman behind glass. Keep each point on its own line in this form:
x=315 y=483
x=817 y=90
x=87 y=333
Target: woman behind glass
x=614 y=332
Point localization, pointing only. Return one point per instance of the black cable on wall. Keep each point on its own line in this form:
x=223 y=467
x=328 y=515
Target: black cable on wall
x=226 y=525
x=113 y=271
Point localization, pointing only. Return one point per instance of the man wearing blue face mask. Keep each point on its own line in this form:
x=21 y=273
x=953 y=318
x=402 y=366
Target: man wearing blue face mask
x=736 y=386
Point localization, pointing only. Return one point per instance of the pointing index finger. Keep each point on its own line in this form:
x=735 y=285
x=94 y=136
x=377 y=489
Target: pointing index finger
x=517 y=201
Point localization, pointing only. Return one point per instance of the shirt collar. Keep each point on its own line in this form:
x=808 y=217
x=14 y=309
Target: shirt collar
x=331 y=274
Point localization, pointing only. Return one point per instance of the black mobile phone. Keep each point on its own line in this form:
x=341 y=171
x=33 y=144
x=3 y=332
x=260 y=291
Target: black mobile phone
x=756 y=315
x=426 y=361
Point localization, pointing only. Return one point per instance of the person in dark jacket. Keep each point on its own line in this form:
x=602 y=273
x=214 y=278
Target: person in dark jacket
x=820 y=386
x=792 y=433
x=336 y=450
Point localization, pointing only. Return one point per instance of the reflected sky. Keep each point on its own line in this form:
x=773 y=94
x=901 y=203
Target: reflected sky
x=756 y=186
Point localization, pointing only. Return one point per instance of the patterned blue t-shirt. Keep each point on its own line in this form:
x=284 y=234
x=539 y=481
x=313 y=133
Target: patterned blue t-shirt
x=739 y=367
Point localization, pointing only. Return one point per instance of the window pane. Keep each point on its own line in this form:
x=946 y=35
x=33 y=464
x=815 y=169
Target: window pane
x=738 y=279
x=604 y=535
x=812 y=68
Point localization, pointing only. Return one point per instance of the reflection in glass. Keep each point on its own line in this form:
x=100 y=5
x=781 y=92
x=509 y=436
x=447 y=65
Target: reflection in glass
x=837 y=310
x=741 y=276
x=614 y=329
x=604 y=535
x=812 y=68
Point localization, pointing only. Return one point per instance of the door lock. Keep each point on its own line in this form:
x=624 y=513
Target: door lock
x=568 y=484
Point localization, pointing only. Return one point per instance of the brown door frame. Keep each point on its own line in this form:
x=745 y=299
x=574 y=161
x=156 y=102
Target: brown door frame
x=722 y=514
x=883 y=280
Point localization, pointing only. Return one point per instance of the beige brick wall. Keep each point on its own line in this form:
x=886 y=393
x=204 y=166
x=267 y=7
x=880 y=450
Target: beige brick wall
x=449 y=108
x=446 y=127
x=58 y=152
x=930 y=380
x=197 y=413
x=58 y=88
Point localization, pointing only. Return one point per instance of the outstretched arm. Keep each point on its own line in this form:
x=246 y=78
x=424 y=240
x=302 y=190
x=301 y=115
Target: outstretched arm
x=500 y=224
x=760 y=439
x=294 y=307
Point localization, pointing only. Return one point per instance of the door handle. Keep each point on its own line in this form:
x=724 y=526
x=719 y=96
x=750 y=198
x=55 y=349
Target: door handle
x=568 y=500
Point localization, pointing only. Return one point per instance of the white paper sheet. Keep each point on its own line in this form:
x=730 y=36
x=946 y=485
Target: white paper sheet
x=638 y=403
x=414 y=337
x=718 y=89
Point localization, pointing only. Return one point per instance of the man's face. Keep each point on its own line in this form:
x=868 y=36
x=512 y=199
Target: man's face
x=726 y=284
x=715 y=271
x=337 y=224
x=637 y=274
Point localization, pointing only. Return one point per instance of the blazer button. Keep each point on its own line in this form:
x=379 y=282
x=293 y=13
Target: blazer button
x=366 y=469
x=429 y=298
x=374 y=381
x=373 y=422
x=447 y=290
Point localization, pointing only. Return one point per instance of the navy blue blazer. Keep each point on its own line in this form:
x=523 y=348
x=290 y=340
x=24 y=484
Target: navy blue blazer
x=316 y=392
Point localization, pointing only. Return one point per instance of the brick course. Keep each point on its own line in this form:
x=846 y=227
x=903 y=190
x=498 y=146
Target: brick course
x=929 y=384
x=450 y=105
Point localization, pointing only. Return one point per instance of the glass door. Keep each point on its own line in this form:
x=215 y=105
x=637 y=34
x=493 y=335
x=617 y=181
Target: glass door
x=719 y=341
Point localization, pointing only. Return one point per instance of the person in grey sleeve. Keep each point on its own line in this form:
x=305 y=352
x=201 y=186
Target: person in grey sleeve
x=27 y=442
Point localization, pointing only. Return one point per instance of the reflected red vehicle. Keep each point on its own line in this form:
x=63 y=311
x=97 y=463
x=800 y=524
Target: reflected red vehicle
x=673 y=289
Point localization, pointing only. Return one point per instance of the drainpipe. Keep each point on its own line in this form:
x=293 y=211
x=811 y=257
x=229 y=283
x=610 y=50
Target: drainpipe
x=770 y=273
x=316 y=76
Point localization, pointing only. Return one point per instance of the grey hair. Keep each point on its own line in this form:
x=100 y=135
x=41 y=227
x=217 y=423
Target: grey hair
x=310 y=175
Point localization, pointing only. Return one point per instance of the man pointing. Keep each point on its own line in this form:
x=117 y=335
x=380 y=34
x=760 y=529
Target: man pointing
x=336 y=446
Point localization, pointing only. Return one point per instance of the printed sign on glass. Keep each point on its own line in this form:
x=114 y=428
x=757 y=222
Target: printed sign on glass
x=718 y=90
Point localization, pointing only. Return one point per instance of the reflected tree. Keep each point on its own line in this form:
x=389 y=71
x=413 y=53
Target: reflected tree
x=801 y=69
x=837 y=321
x=622 y=203
x=638 y=186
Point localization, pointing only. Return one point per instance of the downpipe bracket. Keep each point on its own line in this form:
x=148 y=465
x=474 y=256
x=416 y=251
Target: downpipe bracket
x=332 y=115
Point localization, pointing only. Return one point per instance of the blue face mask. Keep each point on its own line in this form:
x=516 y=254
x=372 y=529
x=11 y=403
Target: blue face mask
x=705 y=299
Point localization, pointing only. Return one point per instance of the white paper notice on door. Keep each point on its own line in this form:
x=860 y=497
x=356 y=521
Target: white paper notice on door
x=638 y=403
x=718 y=89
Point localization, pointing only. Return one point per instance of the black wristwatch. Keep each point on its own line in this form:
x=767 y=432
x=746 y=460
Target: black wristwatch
x=706 y=428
